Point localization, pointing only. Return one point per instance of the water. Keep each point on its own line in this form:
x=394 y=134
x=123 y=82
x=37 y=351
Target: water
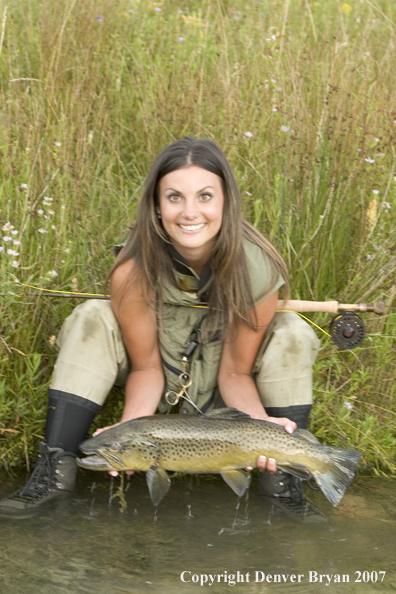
x=83 y=546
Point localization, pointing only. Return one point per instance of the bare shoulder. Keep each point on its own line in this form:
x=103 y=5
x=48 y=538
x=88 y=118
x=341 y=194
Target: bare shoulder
x=123 y=274
x=126 y=289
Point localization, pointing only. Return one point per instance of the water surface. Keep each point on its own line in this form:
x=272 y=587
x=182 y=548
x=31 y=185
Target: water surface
x=85 y=545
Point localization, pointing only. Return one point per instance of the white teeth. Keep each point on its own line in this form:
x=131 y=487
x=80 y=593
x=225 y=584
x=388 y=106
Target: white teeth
x=192 y=227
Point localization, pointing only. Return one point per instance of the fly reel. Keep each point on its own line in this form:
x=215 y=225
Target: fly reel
x=347 y=330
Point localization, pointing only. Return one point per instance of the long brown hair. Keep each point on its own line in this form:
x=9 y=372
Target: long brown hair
x=230 y=298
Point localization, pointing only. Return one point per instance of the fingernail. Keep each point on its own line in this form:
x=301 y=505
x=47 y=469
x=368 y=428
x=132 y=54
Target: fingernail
x=262 y=459
x=271 y=460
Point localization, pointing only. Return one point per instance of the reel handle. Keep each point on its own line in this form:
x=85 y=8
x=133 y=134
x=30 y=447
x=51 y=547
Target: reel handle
x=332 y=307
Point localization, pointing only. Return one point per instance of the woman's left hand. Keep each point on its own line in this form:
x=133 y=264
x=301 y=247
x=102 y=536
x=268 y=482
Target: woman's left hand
x=270 y=463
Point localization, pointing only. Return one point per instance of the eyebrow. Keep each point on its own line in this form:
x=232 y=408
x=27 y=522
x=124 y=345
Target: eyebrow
x=178 y=191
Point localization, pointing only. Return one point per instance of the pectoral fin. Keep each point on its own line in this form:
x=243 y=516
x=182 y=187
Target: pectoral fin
x=158 y=483
x=238 y=480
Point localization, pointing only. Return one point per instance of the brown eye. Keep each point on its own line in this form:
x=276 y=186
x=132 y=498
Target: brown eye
x=115 y=447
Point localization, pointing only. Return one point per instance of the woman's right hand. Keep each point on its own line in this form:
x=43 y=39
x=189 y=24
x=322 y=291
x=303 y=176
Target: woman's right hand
x=98 y=432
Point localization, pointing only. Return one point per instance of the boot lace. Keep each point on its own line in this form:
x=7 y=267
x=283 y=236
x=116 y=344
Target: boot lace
x=42 y=478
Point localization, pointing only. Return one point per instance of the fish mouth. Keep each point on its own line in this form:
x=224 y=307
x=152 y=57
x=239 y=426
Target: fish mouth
x=93 y=462
x=99 y=460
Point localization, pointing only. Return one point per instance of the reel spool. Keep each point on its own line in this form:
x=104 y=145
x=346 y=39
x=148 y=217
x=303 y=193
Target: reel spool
x=347 y=330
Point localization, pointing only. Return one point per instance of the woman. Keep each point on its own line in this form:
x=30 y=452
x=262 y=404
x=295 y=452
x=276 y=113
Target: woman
x=194 y=289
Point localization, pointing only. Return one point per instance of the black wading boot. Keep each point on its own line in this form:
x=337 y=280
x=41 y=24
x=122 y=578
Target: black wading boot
x=285 y=492
x=53 y=476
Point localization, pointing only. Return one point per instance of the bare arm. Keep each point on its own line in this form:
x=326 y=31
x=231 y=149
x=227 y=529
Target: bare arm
x=235 y=382
x=138 y=324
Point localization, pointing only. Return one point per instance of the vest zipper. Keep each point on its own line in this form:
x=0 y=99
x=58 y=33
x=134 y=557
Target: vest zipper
x=171 y=368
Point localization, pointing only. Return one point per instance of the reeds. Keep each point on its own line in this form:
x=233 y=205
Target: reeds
x=301 y=95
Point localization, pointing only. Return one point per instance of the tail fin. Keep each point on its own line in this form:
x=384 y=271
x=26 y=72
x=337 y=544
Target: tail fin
x=335 y=481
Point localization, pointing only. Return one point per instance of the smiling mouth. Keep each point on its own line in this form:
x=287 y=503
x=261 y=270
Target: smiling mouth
x=192 y=227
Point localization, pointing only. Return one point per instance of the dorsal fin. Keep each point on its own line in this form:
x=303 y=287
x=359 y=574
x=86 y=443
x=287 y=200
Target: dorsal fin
x=226 y=413
x=307 y=435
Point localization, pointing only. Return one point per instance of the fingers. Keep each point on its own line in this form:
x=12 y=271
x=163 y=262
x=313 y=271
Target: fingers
x=290 y=426
x=116 y=473
x=264 y=463
x=99 y=431
x=287 y=424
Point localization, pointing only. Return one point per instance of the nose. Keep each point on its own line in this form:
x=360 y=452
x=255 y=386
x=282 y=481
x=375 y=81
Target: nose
x=190 y=210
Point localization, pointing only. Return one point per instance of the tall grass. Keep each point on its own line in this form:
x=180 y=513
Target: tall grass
x=301 y=96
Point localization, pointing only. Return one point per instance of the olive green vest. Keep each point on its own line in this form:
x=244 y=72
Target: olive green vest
x=184 y=315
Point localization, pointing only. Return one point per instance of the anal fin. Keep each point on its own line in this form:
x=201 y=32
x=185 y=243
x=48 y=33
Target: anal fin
x=297 y=470
x=238 y=480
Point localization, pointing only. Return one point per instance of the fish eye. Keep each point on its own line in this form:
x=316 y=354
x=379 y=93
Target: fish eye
x=115 y=447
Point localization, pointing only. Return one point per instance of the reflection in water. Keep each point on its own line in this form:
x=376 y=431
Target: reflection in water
x=83 y=546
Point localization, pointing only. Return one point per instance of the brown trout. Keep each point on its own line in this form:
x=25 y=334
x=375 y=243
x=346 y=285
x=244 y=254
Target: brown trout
x=222 y=441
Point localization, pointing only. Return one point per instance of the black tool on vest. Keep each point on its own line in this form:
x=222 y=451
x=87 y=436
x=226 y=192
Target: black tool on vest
x=347 y=330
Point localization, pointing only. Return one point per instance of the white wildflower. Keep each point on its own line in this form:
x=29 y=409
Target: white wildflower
x=1 y=248
x=376 y=139
x=53 y=273
x=15 y=264
x=57 y=143
x=249 y=134
x=375 y=191
x=348 y=405
x=369 y=160
x=12 y=253
x=40 y=211
x=7 y=238
x=52 y=340
x=285 y=128
x=53 y=227
x=248 y=194
x=51 y=212
x=16 y=242
x=24 y=186
x=7 y=226
x=41 y=230
x=274 y=109
x=14 y=232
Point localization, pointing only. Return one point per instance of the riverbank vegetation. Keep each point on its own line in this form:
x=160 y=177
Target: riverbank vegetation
x=301 y=95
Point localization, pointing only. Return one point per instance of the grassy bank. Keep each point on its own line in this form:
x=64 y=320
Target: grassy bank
x=301 y=96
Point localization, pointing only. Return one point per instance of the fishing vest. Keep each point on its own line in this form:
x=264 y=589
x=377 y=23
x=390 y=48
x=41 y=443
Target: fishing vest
x=184 y=315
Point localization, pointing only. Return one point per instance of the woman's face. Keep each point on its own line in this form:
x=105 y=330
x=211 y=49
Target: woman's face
x=191 y=203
